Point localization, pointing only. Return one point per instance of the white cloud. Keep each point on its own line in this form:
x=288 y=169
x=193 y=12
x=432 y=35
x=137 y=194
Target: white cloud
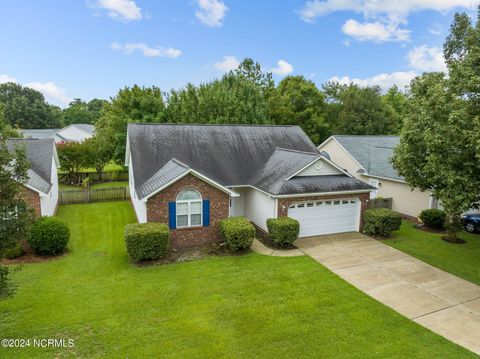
x=146 y=50
x=382 y=19
x=52 y=92
x=6 y=78
x=283 y=68
x=436 y=29
x=227 y=64
x=393 y=9
x=385 y=80
x=211 y=12
x=374 y=31
x=426 y=58
x=123 y=10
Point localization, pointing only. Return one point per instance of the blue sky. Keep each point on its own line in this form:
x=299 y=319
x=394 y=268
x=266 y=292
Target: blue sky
x=87 y=49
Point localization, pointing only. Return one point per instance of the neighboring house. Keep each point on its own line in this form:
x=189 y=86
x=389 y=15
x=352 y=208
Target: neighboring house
x=41 y=190
x=73 y=133
x=192 y=176
x=368 y=158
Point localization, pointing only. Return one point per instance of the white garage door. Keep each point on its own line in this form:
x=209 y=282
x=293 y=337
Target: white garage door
x=326 y=217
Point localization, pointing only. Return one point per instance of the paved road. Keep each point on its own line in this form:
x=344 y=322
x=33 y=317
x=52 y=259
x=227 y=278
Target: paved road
x=439 y=301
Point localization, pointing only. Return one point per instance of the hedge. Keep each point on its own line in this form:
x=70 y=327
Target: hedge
x=49 y=236
x=147 y=241
x=283 y=231
x=12 y=252
x=237 y=233
x=381 y=221
x=433 y=218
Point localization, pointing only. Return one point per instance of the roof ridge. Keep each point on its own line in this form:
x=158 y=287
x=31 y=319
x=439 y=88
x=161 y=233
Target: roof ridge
x=206 y=124
x=297 y=151
x=177 y=162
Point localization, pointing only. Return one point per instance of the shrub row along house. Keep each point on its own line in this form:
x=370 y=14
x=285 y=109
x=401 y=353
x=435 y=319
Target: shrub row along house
x=192 y=176
x=41 y=190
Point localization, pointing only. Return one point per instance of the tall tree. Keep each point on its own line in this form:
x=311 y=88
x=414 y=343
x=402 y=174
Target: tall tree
x=297 y=101
x=439 y=145
x=79 y=111
x=397 y=100
x=131 y=104
x=27 y=108
x=356 y=110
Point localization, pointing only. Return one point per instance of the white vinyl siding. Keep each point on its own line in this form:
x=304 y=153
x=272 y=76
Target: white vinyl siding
x=258 y=207
x=48 y=202
x=139 y=206
x=319 y=168
x=237 y=203
x=326 y=216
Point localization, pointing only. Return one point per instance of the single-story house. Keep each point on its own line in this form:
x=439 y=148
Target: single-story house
x=368 y=158
x=192 y=176
x=41 y=190
x=77 y=132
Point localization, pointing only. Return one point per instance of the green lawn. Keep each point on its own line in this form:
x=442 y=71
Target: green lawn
x=63 y=186
x=462 y=260
x=249 y=306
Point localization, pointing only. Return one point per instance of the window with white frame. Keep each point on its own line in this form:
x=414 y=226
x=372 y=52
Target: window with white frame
x=189 y=208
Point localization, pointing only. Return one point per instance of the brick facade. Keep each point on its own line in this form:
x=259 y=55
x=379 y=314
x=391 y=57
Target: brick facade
x=32 y=199
x=157 y=211
x=284 y=203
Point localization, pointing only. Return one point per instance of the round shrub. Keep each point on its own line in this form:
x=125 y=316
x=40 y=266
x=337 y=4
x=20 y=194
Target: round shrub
x=237 y=233
x=49 y=236
x=12 y=252
x=147 y=241
x=381 y=221
x=433 y=218
x=283 y=230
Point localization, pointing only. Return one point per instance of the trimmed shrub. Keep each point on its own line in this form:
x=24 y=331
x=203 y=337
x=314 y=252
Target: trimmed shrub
x=147 y=241
x=12 y=252
x=49 y=236
x=237 y=233
x=433 y=218
x=283 y=230
x=381 y=221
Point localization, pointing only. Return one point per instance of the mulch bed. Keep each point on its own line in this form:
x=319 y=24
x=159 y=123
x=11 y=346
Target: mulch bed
x=29 y=257
x=273 y=245
x=195 y=253
x=457 y=241
x=422 y=227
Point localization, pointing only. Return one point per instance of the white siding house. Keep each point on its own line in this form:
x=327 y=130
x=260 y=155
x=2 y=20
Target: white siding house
x=259 y=207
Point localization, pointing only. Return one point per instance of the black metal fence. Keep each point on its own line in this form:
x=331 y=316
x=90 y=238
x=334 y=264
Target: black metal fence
x=93 y=195
x=380 y=203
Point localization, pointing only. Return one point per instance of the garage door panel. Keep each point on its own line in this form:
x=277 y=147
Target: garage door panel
x=326 y=218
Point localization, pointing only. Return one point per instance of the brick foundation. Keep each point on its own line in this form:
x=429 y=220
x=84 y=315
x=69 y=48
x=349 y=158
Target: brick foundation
x=157 y=211
x=284 y=203
x=32 y=199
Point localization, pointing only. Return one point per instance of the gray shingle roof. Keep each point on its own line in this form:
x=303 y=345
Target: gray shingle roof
x=374 y=153
x=40 y=156
x=232 y=155
x=39 y=133
x=322 y=184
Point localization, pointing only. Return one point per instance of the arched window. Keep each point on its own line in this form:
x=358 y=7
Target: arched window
x=189 y=208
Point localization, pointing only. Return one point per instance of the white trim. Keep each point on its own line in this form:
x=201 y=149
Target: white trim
x=197 y=174
x=258 y=189
x=276 y=208
x=343 y=148
x=384 y=178
x=322 y=194
x=42 y=194
x=315 y=160
x=127 y=151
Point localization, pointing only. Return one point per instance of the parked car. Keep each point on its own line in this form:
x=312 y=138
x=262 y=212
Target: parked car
x=471 y=222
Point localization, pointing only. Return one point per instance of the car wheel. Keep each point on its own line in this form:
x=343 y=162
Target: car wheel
x=469 y=227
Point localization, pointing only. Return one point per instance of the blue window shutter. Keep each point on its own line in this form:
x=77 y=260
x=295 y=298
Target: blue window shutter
x=172 y=215
x=206 y=212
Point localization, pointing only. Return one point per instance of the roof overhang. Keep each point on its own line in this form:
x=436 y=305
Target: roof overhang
x=204 y=178
x=366 y=174
x=321 y=157
x=323 y=193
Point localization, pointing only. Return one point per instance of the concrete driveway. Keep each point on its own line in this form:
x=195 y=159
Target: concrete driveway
x=437 y=300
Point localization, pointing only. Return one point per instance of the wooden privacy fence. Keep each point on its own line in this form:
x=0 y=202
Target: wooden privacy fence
x=380 y=203
x=93 y=195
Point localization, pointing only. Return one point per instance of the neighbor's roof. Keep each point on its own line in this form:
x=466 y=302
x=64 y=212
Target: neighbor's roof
x=39 y=133
x=374 y=153
x=85 y=131
x=231 y=155
x=40 y=154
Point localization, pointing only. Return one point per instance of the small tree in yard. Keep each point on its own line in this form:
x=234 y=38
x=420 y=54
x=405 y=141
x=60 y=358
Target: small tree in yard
x=15 y=217
x=439 y=145
x=96 y=155
x=73 y=158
